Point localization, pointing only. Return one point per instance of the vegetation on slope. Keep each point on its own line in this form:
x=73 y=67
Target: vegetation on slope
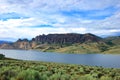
x=29 y=70
x=114 y=45
x=95 y=47
x=113 y=50
x=108 y=45
x=68 y=43
x=2 y=56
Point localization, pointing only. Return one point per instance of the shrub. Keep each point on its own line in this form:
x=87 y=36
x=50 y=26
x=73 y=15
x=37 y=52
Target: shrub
x=28 y=75
x=29 y=70
x=106 y=78
x=2 y=56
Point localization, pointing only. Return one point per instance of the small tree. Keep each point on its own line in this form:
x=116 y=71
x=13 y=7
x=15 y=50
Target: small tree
x=2 y=56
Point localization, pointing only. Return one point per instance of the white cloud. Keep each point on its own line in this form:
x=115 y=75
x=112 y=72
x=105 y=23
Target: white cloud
x=55 y=5
x=48 y=12
x=27 y=22
x=32 y=32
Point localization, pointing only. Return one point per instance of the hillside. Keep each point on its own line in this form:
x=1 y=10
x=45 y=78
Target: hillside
x=77 y=43
x=114 y=43
x=69 y=38
x=93 y=47
x=68 y=43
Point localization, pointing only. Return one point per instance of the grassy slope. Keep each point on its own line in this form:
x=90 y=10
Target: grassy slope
x=81 y=48
x=113 y=50
x=29 y=70
x=110 y=45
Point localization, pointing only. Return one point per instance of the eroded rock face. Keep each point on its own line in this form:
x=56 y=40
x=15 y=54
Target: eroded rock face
x=69 y=38
x=25 y=44
x=20 y=44
x=33 y=44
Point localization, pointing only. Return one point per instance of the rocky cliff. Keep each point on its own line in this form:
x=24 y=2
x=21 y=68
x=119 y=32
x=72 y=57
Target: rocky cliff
x=19 y=44
x=67 y=38
x=68 y=43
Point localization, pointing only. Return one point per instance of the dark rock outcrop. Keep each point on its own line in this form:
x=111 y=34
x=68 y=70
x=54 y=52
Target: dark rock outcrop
x=61 y=39
x=67 y=38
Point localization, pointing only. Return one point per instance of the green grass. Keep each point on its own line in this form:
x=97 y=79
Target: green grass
x=113 y=50
x=78 y=48
x=30 y=70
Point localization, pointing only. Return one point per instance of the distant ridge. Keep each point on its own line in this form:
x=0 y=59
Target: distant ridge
x=67 y=38
x=68 y=43
x=2 y=42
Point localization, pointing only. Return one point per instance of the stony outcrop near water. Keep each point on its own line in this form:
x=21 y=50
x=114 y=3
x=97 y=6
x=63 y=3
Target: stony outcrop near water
x=67 y=38
x=68 y=43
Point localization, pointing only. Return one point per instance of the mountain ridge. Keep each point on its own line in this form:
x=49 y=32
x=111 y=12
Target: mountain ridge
x=67 y=43
x=67 y=38
x=3 y=41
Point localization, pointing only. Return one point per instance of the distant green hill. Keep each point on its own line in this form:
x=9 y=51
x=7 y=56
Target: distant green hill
x=115 y=40
x=114 y=44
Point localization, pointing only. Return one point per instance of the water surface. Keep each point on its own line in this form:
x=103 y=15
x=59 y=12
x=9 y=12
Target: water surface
x=103 y=60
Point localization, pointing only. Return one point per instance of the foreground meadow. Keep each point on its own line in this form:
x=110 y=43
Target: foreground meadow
x=30 y=70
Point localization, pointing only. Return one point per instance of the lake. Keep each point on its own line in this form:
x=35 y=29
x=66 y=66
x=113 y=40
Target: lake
x=104 y=60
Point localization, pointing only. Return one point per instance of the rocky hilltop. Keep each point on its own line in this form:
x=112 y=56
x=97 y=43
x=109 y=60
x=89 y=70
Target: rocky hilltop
x=68 y=43
x=70 y=38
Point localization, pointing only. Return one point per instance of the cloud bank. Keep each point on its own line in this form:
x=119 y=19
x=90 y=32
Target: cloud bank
x=28 y=18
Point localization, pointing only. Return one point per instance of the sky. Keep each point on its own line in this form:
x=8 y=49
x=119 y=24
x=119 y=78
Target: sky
x=29 y=18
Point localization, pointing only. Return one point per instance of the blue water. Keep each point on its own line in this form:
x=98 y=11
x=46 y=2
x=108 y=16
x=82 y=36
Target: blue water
x=104 y=60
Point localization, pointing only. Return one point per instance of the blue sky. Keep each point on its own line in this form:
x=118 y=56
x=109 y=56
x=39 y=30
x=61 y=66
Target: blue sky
x=29 y=18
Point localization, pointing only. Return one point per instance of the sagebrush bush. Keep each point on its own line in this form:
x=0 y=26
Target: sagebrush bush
x=30 y=70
